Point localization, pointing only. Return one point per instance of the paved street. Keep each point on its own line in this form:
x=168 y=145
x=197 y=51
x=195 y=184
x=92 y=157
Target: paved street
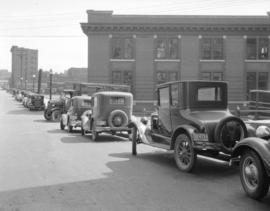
x=44 y=168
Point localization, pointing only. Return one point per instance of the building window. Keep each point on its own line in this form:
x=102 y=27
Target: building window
x=122 y=77
x=212 y=48
x=257 y=81
x=166 y=76
x=166 y=48
x=257 y=48
x=212 y=76
x=122 y=48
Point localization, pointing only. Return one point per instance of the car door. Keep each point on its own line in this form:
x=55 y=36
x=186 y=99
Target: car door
x=163 y=132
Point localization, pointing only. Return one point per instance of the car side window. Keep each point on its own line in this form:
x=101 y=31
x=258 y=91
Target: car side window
x=174 y=94
x=164 y=97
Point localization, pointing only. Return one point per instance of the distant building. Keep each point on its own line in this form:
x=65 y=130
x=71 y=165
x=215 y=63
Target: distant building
x=4 y=74
x=77 y=74
x=145 y=50
x=24 y=67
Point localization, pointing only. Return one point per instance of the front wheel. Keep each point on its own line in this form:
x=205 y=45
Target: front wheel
x=47 y=115
x=94 y=132
x=62 y=126
x=253 y=177
x=82 y=131
x=55 y=116
x=184 y=154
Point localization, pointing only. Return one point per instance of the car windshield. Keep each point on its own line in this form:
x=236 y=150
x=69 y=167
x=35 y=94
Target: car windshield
x=86 y=103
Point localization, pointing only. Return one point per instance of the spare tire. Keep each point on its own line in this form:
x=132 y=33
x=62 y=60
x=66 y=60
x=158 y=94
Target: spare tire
x=229 y=131
x=118 y=118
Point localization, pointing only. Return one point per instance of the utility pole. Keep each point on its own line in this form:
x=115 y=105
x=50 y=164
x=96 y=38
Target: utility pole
x=51 y=73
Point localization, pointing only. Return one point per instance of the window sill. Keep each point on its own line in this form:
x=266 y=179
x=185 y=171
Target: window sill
x=257 y=60
x=167 y=60
x=122 y=60
x=212 y=60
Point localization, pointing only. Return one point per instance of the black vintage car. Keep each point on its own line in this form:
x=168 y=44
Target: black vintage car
x=252 y=154
x=56 y=107
x=35 y=102
x=192 y=118
x=111 y=112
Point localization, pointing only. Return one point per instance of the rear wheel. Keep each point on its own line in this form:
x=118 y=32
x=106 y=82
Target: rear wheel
x=184 y=154
x=253 y=177
x=55 y=116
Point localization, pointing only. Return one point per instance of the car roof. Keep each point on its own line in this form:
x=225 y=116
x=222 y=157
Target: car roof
x=82 y=97
x=259 y=90
x=113 y=93
x=190 y=81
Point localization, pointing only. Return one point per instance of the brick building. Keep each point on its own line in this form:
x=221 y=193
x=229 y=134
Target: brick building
x=144 y=50
x=24 y=67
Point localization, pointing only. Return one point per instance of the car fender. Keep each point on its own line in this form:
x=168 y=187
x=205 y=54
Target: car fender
x=188 y=129
x=260 y=146
x=53 y=109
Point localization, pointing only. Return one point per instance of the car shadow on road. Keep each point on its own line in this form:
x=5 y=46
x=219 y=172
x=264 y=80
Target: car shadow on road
x=44 y=121
x=74 y=138
x=24 y=111
x=149 y=181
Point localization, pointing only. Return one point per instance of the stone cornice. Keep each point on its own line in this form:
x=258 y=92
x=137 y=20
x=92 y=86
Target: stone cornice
x=172 y=28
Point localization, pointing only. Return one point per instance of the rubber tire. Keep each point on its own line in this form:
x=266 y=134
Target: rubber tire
x=94 y=132
x=47 y=115
x=134 y=136
x=82 y=131
x=263 y=184
x=62 y=126
x=70 y=128
x=219 y=127
x=116 y=113
x=54 y=114
x=183 y=167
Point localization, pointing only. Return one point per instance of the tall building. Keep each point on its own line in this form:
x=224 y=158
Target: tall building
x=24 y=67
x=145 y=50
x=77 y=74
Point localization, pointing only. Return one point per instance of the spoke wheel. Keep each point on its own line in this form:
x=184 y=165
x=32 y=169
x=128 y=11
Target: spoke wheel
x=184 y=154
x=47 y=115
x=253 y=176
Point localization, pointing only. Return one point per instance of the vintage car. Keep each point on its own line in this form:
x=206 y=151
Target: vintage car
x=111 y=112
x=253 y=156
x=56 y=107
x=35 y=102
x=72 y=119
x=192 y=118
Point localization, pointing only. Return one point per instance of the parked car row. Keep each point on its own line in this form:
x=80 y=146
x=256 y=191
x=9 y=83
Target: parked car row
x=30 y=100
x=191 y=118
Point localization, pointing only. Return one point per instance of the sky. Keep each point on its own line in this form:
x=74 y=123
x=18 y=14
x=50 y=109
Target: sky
x=53 y=26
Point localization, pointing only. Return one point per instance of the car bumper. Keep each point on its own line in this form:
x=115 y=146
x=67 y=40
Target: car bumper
x=75 y=123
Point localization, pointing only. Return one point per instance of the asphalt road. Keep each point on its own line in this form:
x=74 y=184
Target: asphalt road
x=44 y=168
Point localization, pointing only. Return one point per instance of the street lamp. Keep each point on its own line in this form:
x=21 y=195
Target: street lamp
x=34 y=76
x=51 y=73
x=21 y=78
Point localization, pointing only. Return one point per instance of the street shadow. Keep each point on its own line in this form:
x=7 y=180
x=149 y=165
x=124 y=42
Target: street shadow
x=44 y=121
x=133 y=183
x=103 y=138
x=24 y=111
